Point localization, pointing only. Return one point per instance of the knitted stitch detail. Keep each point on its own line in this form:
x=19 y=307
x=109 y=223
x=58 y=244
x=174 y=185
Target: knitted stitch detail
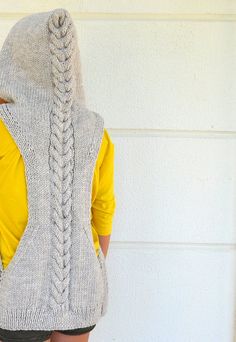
x=61 y=155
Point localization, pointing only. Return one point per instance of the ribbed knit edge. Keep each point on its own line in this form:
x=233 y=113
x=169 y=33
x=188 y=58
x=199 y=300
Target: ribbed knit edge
x=92 y=155
x=23 y=143
x=35 y=319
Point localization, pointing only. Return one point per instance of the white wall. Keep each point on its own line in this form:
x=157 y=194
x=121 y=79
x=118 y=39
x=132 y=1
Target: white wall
x=162 y=74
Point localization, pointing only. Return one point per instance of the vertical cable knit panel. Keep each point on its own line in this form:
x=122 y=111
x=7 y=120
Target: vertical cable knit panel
x=61 y=155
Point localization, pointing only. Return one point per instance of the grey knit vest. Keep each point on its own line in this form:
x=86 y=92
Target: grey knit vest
x=55 y=280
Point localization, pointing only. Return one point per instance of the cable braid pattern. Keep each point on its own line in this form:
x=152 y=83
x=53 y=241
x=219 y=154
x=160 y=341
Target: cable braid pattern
x=61 y=154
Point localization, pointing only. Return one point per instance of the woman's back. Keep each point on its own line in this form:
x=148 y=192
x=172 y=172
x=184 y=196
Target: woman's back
x=13 y=194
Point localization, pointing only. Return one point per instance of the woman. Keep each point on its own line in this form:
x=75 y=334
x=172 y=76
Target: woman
x=56 y=160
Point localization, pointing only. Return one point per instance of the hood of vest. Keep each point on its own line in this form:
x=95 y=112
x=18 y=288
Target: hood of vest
x=40 y=62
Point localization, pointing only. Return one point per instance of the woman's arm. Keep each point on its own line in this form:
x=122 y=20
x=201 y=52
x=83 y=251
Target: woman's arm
x=104 y=241
x=103 y=206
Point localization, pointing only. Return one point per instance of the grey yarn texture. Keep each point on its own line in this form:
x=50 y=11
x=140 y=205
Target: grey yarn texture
x=55 y=280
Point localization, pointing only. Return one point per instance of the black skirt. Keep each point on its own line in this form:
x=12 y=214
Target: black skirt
x=37 y=335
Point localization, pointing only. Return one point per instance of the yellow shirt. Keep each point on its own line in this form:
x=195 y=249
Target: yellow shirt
x=13 y=194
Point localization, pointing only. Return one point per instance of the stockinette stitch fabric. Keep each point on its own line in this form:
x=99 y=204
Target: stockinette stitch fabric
x=55 y=280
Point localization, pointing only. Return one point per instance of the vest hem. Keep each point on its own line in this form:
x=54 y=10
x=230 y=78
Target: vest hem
x=40 y=319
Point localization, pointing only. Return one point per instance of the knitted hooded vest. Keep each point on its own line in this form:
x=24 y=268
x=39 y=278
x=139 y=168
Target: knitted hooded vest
x=55 y=280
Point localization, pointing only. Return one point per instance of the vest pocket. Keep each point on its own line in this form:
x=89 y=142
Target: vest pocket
x=102 y=263
x=101 y=260
x=89 y=238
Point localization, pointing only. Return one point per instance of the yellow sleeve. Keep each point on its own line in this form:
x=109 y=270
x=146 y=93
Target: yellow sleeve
x=103 y=206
